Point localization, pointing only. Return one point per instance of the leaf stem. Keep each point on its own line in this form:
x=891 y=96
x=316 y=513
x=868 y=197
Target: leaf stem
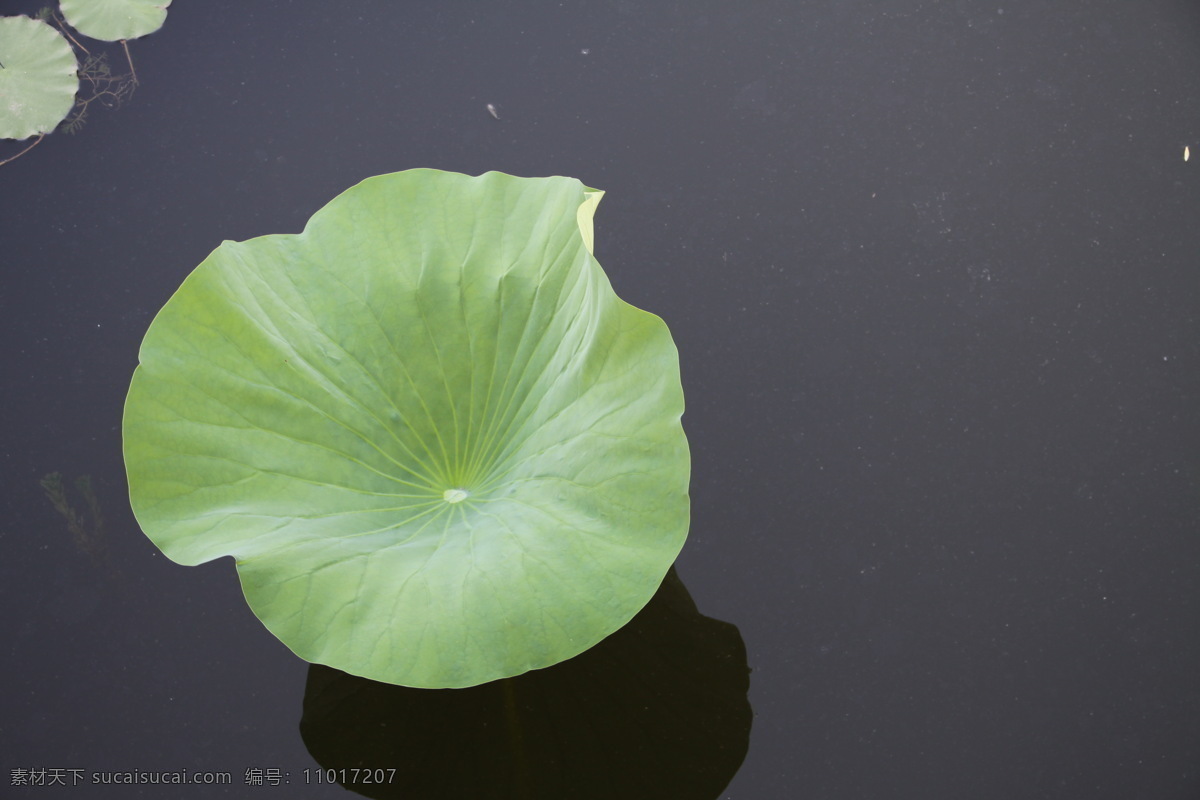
x=26 y=150
x=62 y=26
x=129 y=58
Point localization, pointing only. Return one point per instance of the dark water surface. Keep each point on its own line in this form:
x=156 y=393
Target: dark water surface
x=933 y=269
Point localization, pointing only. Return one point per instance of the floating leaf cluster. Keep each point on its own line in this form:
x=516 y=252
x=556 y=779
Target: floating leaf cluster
x=40 y=73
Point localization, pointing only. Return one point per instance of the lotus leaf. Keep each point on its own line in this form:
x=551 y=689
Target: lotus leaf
x=37 y=80
x=440 y=448
x=114 y=20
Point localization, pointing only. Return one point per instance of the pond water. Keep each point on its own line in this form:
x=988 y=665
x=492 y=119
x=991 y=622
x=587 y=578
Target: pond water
x=931 y=270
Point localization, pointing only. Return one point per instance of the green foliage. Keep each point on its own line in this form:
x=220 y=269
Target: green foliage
x=115 y=20
x=38 y=82
x=440 y=448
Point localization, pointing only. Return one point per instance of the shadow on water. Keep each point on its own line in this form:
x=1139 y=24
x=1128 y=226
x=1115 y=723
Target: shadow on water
x=658 y=709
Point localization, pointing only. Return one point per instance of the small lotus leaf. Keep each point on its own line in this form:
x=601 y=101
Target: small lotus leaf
x=113 y=20
x=37 y=81
x=440 y=448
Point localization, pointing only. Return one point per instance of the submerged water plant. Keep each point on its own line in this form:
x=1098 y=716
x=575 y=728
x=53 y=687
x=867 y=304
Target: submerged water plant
x=439 y=447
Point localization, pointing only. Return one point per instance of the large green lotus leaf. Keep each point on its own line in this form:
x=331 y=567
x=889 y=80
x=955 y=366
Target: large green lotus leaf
x=440 y=448
x=37 y=79
x=113 y=20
